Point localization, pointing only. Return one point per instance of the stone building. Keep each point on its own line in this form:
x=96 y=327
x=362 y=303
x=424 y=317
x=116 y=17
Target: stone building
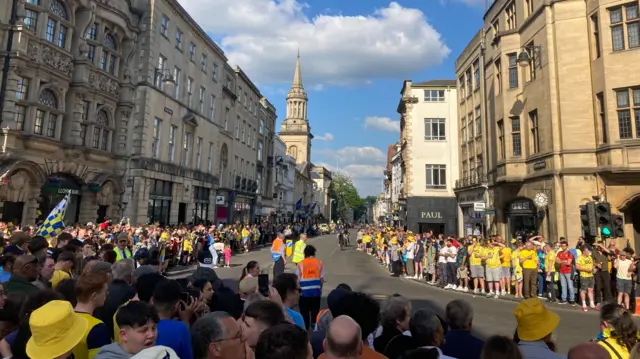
x=67 y=114
x=559 y=112
x=284 y=173
x=321 y=201
x=265 y=164
x=429 y=142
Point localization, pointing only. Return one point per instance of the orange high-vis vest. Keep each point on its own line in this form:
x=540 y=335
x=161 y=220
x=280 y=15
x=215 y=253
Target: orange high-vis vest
x=310 y=270
x=320 y=314
x=277 y=249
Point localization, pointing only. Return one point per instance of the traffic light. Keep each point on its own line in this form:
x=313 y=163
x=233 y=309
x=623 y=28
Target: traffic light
x=603 y=212
x=588 y=219
x=618 y=225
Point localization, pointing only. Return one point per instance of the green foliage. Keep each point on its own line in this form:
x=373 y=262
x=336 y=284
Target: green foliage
x=345 y=195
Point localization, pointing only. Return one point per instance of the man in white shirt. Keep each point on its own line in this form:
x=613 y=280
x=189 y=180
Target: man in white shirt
x=451 y=254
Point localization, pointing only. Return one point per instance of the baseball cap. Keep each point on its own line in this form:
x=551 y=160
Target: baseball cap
x=205 y=259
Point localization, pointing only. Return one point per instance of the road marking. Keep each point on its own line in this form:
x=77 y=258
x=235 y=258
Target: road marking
x=379 y=297
x=333 y=251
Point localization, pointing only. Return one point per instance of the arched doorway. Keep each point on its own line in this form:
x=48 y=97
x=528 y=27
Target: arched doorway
x=632 y=215
x=53 y=191
x=522 y=219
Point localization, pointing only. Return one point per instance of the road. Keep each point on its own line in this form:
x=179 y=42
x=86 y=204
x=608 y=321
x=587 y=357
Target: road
x=363 y=273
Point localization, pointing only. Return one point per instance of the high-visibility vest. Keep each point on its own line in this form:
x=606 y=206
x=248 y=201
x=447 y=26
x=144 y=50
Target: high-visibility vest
x=310 y=270
x=320 y=314
x=119 y=254
x=277 y=249
x=298 y=251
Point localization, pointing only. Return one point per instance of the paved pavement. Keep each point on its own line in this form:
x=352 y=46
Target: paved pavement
x=363 y=273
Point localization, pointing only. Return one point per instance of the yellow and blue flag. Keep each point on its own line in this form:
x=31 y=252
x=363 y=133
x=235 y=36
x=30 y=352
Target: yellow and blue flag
x=53 y=225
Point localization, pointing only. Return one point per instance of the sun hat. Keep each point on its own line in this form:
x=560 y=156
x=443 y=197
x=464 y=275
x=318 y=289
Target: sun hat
x=535 y=320
x=157 y=352
x=248 y=285
x=55 y=330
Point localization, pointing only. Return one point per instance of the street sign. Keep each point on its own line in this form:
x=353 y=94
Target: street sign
x=489 y=211
x=478 y=206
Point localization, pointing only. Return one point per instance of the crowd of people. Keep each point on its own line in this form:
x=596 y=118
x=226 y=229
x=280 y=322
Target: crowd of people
x=586 y=274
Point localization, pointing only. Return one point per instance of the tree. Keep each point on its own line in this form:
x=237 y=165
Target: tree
x=345 y=196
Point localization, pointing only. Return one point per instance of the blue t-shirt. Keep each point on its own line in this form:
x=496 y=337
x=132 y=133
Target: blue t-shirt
x=297 y=318
x=175 y=335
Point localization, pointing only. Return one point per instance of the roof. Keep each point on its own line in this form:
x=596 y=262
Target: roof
x=391 y=151
x=435 y=83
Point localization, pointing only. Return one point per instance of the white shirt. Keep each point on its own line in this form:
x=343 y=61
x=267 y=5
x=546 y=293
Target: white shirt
x=623 y=268
x=441 y=257
x=440 y=355
x=451 y=250
x=410 y=250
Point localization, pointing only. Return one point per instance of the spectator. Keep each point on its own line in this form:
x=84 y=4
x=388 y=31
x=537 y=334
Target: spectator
x=255 y=297
x=64 y=266
x=173 y=333
x=589 y=351
x=119 y=292
x=288 y=287
x=91 y=292
x=427 y=333
x=258 y=317
x=46 y=272
x=6 y=262
x=394 y=319
x=500 y=347
x=344 y=339
x=25 y=271
x=218 y=335
x=55 y=331
x=459 y=342
x=619 y=332
x=37 y=246
x=138 y=330
x=283 y=341
x=534 y=333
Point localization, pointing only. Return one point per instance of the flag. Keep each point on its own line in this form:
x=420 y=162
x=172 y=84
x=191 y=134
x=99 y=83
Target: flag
x=314 y=205
x=307 y=208
x=53 y=225
x=299 y=204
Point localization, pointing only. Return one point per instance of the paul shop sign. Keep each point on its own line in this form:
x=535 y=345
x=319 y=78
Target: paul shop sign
x=430 y=215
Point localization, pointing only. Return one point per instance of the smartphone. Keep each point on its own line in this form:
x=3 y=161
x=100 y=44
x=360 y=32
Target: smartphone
x=263 y=284
x=184 y=296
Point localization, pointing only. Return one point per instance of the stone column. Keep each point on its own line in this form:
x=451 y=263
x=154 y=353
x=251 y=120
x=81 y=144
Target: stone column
x=31 y=205
x=88 y=207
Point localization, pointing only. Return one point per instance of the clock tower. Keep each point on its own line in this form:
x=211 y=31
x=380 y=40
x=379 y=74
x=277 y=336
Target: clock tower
x=295 y=131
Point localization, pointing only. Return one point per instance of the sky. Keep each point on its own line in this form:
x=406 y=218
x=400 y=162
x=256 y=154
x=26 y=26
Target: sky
x=354 y=56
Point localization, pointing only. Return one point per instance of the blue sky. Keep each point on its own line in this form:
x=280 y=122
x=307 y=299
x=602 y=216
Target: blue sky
x=355 y=56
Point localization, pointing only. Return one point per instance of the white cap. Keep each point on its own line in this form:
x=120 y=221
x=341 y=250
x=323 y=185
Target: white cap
x=157 y=352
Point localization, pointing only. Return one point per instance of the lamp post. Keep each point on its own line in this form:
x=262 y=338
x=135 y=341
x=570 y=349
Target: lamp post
x=7 y=57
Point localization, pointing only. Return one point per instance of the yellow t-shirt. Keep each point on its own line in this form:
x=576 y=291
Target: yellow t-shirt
x=529 y=263
x=586 y=263
x=95 y=337
x=550 y=262
x=366 y=239
x=245 y=232
x=476 y=255
x=506 y=260
x=58 y=276
x=494 y=260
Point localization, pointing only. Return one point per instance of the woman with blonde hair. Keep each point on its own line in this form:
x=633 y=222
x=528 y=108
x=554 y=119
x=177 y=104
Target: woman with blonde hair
x=500 y=347
x=619 y=333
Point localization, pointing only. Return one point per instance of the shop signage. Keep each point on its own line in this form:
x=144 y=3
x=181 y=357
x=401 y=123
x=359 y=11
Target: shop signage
x=219 y=200
x=540 y=165
x=168 y=110
x=70 y=191
x=478 y=206
x=489 y=211
x=431 y=215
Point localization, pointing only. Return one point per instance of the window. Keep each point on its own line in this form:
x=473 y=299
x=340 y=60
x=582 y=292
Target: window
x=22 y=90
x=237 y=127
x=470 y=127
x=498 y=70
x=108 y=60
x=159 y=204
x=510 y=16
x=436 y=176
x=21 y=111
x=47 y=102
x=189 y=92
x=476 y=73
x=516 y=139
x=463 y=129
x=160 y=72
x=172 y=143
x=254 y=139
x=186 y=143
x=56 y=31
x=628 y=109
x=100 y=131
x=85 y=110
x=179 y=39
x=602 y=118
x=155 y=144
x=192 y=51
x=244 y=125
x=198 y=152
x=212 y=107
x=164 y=25
x=478 y=122
x=31 y=20
x=260 y=151
x=201 y=100
x=293 y=152
x=214 y=72
x=83 y=134
x=249 y=135
x=433 y=95
x=92 y=33
x=461 y=83
x=595 y=36
x=177 y=73
x=625 y=18
x=535 y=134
x=434 y=129
x=203 y=63
x=513 y=71
x=528 y=8
x=210 y=158
x=501 y=144
x=226 y=119
x=479 y=166
x=262 y=127
x=530 y=49
x=469 y=81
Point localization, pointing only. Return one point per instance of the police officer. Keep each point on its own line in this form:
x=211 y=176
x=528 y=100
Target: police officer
x=310 y=271
x=298 y=249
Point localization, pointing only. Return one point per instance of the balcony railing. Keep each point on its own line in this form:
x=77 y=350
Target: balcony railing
x=473 y=180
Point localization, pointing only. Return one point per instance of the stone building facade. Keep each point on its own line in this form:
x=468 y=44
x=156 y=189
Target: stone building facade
x=561 y=113
x=68 y=107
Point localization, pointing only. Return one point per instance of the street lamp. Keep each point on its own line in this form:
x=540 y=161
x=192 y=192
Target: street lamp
x=17 y=11
x=529 y=54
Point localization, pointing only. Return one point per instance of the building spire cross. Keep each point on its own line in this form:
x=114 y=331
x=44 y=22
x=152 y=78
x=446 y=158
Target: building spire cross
x=297 y=76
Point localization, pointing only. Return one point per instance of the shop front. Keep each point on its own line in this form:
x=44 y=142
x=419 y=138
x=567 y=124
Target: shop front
x=242 y=209
x=436 y=214
x=222 y=207
x=522 y=219
x=159 y=205
x=472 y=205
x=201 y=204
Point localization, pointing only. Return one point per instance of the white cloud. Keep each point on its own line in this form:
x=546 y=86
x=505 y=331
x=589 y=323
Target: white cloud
x=382 y=123
x=366 y=178
x=364 y=165
x=353 y=155
x=326 y=137
x=263 y=36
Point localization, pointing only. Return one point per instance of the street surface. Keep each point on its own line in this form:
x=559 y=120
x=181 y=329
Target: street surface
x=363 y=273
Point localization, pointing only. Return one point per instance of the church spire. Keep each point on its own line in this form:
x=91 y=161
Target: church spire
x=297 y=76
